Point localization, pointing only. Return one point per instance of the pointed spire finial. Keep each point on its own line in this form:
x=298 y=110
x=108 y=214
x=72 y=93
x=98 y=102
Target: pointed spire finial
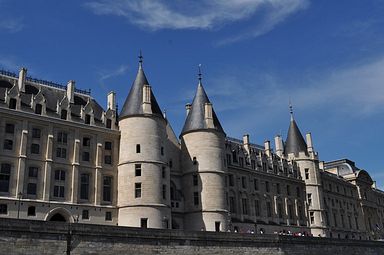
x=291 y=109
x=140 y=59
x=199 y=74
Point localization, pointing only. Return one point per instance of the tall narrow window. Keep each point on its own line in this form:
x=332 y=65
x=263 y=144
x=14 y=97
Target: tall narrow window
x=84 y=186
x=164 y=191
x=256 y=184
x=87 y=119
x=109 y=123
x=244 y=203
x=9 y=128
x=108 y=146
x=232 y=205
x=138 y=149
x=280 y=210
x=58 y=188
x=269 y=209
x=107 y=188
x=278 y=191
x=288 y=190
x=298 y=192
x=309 y=199
x=85 y=156
x=38 y=109
x=244 y=182
x=195 y=180
x=63 y=114
x=137 y=189
x=195 y=198
x=36 y=133
x=35 y=148
x=5 y=173
x=312 y=217
x=306 y=170
x=62 y=137
x=257 y=208
x=267 y=186
x=137 y=169
x=162 y=151
x=12 y=103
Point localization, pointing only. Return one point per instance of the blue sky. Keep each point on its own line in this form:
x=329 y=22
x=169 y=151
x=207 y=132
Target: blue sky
x=256 y=55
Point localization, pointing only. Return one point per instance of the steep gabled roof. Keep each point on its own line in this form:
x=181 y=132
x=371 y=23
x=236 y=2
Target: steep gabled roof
x=295 y=142
x=195 y=119
x=133 y=103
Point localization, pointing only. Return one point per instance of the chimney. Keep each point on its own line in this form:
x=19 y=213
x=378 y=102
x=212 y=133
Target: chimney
x=71 y=91
x=279 y=145
x=267 y=148
x=147 y=99
x=21 y=81
x=309 y=143
x=246 y=143
x=208 y=115
x=188 y=108
x=111 y=100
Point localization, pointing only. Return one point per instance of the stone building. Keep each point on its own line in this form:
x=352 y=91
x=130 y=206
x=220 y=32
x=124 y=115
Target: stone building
x=64 y=157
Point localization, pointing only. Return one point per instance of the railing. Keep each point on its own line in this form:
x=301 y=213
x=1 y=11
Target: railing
x=44 y=82
x=231 y=139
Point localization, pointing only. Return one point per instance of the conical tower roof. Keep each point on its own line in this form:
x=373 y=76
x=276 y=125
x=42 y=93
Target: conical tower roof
x=196 y=119
x=133 y=103
x=295 y=142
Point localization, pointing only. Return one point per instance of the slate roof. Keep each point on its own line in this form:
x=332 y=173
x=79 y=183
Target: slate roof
x=295 y=142
x=133 y=103
x=195 y=119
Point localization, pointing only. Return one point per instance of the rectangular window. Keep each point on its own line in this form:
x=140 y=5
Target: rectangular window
x=108 y=146
x=232 y=206
x=60 y=175
x=9 y=128
x=109 y=123
x=170 y=163
x=63 y=114
x=61 y=152
x=231 y=180
x=12 y=103
x=108 y=216
x=85 y=215
x=256 y=184
x=32 y=172
x=36 y=133
x=195 y=180
x=35 y=148
x=244 y=182
x=3 y=209
x=288 y=190
x=38 y=108
x=306 y=170
x=164 y=191
x=86 y=141
x=312 y=217
x=298 y=192
x=84 y=186
x=244 y=203
x=195 y=198
x=257 y=208
x=137 y=189
x=62 y=137
x=137 y=169
x=108 y=159
x=58 y=191
x=269 y=209
x=290 y=212
x=5 y=173
x=85 y=156
x=87 y=119
x=163 y=172
x=138 y=149
x=266 y=186
x=253 y=164
x=107 y=188
x=241 y=161
x=31 y=189
x=143 y=222
x=8 y=144
x=309 y=199
x=31 y=211
x=335 y=219
x=280 y=210
x=229 y=160
x=278 y=191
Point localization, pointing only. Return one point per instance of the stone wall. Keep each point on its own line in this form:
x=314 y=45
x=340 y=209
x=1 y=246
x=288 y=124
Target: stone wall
x=37 y=237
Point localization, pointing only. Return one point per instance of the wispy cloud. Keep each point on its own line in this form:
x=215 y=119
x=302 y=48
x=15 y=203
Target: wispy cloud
x=8 y=22
x=105 y=75
x=204 y=14
x=9 y=63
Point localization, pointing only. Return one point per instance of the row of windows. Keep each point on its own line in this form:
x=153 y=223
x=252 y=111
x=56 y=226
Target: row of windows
x=59 y=183
x=63 y=113
x=31 y=211
x=138 y=149
x=138 y=190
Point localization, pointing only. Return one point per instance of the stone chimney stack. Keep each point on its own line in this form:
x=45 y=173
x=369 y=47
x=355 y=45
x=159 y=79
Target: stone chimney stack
x=22 y=77
x=309 y=143
x=111 y=100
x=147 y=99
x=279 y=145
x=208 y=115
x=71 y=91
x=188 y=107
x=246 y=143
x=267 y=148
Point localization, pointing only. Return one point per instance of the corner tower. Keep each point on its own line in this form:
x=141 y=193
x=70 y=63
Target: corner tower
x=301 y=152
x=202 y=159
x=143 y=173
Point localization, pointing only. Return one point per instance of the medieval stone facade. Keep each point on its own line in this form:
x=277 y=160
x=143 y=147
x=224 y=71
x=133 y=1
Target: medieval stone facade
x=65 y=158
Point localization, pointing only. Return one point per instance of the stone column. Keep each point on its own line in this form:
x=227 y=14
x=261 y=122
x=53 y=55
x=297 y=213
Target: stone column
x=48 y=165
x=75 y=169
x=98 y=176
x=22 y=157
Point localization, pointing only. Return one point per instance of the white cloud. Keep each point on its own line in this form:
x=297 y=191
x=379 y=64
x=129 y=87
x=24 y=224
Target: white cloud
x=204 y=14
x=11 y=25
x=105 y=75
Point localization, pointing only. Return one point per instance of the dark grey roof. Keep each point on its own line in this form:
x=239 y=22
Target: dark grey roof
x=133 y=103
x=195 y=119
x=295 y=142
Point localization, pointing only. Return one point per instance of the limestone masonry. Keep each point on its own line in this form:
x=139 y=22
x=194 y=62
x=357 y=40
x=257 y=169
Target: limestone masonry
x=65 y=158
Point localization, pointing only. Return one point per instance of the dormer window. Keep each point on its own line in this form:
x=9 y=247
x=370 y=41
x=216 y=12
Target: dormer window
x=38 y=109
x=12 y=103
x=87 y=119
x=109 y=123
x=63 y=114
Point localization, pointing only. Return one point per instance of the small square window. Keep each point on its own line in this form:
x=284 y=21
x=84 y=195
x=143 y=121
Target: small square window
x=61 y=152
x=38 y=108
x=86 y=141
x=9 y=128
x=35 y=148
x=31 y=188
x=8 y=144
x=36 y=133
x=3 y=209
x=85 y=215
x=108 y=146
x=32 y=172
x=108 y=159
x=31 y=211
x=85 y=156
x=108 y=216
